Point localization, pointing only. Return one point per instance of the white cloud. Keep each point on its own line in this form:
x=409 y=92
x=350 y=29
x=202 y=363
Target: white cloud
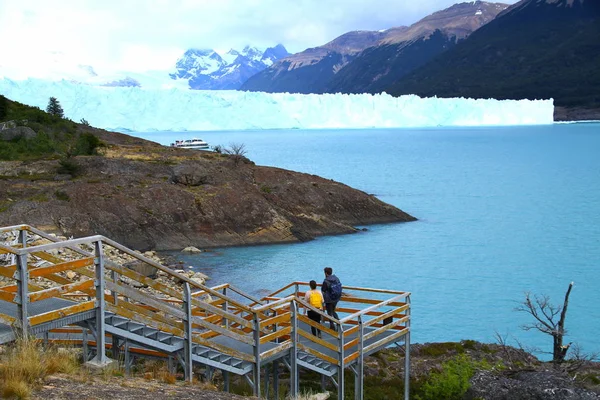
x=140 y=35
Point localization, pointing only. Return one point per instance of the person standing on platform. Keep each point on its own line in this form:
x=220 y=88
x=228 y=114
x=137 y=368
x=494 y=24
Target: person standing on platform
x=332 y=292
x=315 y=299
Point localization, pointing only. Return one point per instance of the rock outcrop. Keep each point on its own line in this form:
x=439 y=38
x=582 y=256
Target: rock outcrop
x=527 y=385
x=153 y=197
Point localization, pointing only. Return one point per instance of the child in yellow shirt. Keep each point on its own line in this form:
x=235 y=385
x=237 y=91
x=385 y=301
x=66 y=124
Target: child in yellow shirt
x=315 y=298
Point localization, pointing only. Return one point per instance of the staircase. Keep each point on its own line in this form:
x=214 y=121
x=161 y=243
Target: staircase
x=47 y=284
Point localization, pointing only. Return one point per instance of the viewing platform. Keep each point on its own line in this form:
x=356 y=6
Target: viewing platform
x=72 y=291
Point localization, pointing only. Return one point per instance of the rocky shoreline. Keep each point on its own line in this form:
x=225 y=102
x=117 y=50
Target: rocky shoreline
x=152 y=197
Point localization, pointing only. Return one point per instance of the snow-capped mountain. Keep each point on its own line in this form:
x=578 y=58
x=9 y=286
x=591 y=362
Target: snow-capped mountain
x=206 y=69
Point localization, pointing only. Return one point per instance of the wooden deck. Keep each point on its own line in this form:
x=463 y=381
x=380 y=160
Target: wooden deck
x=71 y=291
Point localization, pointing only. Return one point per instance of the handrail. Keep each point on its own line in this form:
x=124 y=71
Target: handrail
x=90 y=239
x=371 y=308
x=274 y=304
x=307 y=305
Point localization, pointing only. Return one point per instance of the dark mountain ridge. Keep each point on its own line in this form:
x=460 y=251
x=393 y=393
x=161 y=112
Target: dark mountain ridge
x=536 y=49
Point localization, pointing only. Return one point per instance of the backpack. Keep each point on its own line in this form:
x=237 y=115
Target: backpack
x=316 y=299
x=334 y=290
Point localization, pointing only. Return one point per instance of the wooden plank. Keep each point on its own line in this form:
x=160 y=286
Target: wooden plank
x=61 y=267
x=183 y=278
x=145 y=298
x=8 y=271
x=7 y=319
x=323 y=328
x=136 y=308
x=47 y=257
x=390 y=314
x=151 y=322
x=278 y=303
x=387 y=327
x=275 y=335
x=175 y=293
x=276 y=350
x=67 y=330
x=351 y=343
x=316 y=339
x=7 y=249
x=223 y=331
x=60 y=290
x=63 y=312
x=381 y=343
x=351 y=331
x=286 y=317
x=351 y=357
x=7 y=296
x=378 y=304
x=318 y=354
x=370 y=313
x=349 y=299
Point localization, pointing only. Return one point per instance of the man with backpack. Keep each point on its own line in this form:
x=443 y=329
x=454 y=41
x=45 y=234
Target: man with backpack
x=332 y=292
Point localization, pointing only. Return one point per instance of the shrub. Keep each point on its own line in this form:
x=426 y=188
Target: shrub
x=452 y=382
x=87 y=145
x=60 y=195
x=68 y=166
x=3 y=107
x=266 y=189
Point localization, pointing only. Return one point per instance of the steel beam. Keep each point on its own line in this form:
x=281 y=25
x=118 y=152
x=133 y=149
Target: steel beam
x=187 y=358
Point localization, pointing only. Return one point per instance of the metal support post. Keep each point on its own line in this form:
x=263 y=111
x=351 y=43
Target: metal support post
x=407 y=354
x=115 y=278
x=115 y=347
x=22 y=298
x=276 y=379
x=341 y=363
x=256 y=369
x=294 y=387
x=226 y=385
x=187 y=356
x=267 y=380
x=23 y=238
x=126 y=358
x=225 y=308
x=84 y=339
x=358 y=383
x=100 y=359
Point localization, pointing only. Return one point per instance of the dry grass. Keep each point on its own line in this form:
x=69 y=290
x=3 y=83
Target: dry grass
x=26 y=363
x=309 y=396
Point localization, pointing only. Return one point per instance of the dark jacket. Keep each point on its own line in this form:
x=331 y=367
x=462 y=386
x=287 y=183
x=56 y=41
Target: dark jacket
x=331 y=279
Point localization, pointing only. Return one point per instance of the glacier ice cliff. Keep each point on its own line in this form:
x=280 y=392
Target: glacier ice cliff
x=138 y=109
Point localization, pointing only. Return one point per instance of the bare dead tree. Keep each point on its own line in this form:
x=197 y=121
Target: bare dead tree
x=545 y=315
x=237 y=151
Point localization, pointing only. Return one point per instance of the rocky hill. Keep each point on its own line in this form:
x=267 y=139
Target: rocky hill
x=536 y=49
x=206 y=69
x=366 y=61
x=148 y=196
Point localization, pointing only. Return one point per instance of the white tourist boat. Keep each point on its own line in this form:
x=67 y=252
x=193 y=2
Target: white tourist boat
x=195 y=143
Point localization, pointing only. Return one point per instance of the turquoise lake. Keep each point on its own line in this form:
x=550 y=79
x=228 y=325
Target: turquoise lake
x=502 y=211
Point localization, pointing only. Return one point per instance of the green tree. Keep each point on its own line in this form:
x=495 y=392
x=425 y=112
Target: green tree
x=54 y=107
x=3 y=107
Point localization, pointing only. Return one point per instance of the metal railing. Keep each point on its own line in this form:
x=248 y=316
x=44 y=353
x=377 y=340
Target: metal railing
x=87 y=284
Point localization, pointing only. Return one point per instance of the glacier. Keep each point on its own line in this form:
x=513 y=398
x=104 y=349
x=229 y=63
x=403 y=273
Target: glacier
x=143 y=110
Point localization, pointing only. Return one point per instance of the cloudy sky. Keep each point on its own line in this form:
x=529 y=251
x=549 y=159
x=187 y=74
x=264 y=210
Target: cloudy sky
x=140 y=35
